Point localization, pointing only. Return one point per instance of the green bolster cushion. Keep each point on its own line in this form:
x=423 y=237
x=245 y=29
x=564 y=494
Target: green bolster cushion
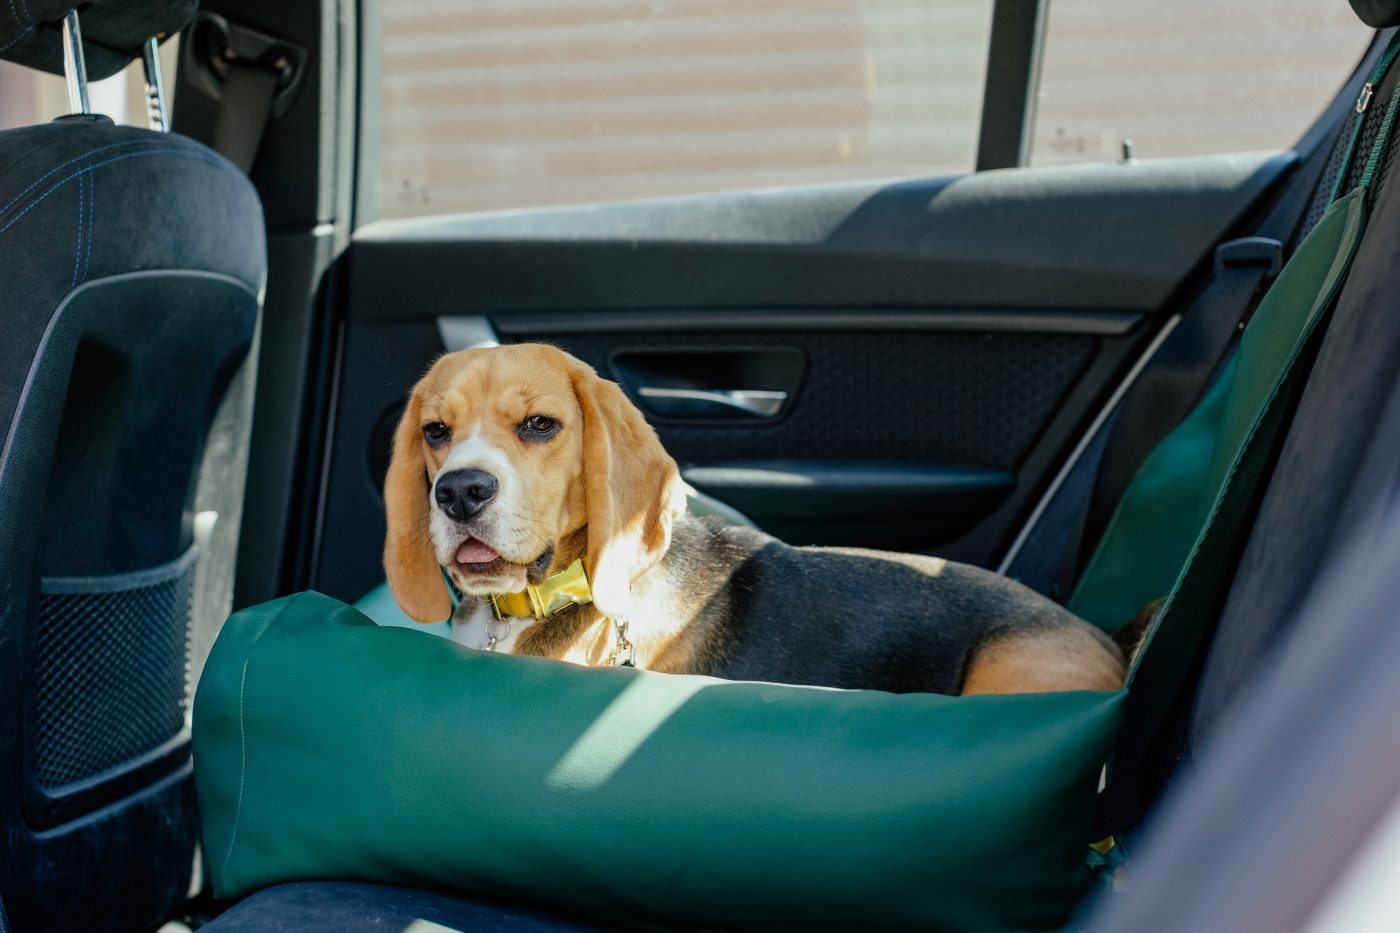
x=327 y=747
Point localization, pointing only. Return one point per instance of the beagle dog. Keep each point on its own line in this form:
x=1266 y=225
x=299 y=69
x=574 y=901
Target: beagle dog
x=543 y=495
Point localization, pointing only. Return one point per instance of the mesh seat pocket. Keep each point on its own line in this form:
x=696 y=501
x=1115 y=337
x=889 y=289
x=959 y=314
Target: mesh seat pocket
x=112 y=677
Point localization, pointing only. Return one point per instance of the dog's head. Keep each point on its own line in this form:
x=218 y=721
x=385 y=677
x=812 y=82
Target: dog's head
x=512 y=462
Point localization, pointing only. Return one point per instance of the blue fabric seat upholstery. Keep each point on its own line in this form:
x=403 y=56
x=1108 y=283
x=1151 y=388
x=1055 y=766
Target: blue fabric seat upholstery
x=349 y=907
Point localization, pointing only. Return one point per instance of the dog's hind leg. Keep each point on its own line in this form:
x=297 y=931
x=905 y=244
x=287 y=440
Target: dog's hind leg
x=1044 y=660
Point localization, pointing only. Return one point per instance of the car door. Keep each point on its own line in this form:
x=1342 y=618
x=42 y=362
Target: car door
x=897 y=364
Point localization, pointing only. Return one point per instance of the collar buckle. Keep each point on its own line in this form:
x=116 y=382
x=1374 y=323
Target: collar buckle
x=624 y=653
x=568 y=587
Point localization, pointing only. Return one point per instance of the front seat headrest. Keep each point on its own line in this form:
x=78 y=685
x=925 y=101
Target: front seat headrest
x=113 y=31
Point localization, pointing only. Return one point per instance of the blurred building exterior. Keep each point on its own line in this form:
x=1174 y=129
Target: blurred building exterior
x=520 y=103
x=500 y=104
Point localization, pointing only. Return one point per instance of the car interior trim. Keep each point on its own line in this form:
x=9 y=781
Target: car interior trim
x=1012 y=83
x=1099 y=323
x=466 y=332
x=1097 y=425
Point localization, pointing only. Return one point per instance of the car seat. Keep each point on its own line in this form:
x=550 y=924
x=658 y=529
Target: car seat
x=135 y=261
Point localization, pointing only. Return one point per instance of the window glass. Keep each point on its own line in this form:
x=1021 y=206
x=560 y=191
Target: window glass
x=519 y=103
x=1188 y=77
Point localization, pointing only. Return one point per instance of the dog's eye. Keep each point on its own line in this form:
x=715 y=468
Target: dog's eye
x=538 y=427
x=436 y=432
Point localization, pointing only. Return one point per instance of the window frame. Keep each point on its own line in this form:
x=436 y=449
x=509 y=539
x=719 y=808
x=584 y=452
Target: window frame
x=1012 y=85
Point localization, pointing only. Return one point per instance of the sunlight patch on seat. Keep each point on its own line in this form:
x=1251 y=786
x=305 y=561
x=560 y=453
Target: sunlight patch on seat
x=427 y=926
x=637 y=712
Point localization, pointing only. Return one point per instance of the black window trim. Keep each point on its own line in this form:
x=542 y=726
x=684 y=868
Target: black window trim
x=1013 y=80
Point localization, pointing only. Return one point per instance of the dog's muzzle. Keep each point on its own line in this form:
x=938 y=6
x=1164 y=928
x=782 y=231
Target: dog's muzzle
x=462 y=494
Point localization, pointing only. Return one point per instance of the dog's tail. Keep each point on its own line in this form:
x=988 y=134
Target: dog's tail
x=1129 y=638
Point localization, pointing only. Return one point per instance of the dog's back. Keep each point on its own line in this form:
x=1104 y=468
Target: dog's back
x=760 y=609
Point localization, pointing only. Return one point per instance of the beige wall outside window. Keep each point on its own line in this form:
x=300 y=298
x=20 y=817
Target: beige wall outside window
x=491 y=104
x=28 y=96
x=519 y=103
x=1188 y=77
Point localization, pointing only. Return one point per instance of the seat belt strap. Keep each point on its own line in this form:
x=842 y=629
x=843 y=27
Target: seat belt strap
x=245 y=106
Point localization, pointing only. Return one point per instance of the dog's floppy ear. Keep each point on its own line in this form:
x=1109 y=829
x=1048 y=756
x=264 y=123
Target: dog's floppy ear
x=409 y=563
x=632 y=488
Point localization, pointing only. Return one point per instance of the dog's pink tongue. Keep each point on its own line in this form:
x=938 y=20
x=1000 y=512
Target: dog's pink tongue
x=473 y=551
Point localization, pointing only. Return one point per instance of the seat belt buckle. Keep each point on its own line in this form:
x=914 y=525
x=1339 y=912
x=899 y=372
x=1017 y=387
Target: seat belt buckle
x=1250 y=251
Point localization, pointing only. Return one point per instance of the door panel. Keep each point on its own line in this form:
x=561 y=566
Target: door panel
x=1115 y=237
x=946 y=341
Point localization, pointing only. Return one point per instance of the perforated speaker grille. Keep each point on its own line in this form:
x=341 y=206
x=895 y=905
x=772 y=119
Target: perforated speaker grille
x=112 y=669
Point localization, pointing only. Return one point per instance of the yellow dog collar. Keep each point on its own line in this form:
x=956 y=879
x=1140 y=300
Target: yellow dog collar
x=568 y=587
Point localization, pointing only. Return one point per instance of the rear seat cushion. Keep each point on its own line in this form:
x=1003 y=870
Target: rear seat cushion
x=349 y=907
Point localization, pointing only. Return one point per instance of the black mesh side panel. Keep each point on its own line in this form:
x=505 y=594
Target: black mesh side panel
x=1321 y=197
x=1374 y=116
x=111 y=672
x=974 y=399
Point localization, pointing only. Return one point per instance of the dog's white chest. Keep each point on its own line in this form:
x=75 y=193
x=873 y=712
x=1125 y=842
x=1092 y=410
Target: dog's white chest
x=473 y=626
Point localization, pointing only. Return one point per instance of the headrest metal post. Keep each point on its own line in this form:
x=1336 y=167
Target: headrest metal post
x=156 y=115
x=73 y=67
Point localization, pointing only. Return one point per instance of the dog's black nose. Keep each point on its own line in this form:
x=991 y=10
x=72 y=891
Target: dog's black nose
x=464 y=493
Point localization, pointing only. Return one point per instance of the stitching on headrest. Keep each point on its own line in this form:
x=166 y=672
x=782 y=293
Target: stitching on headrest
x=26 y=20
x=26 y=31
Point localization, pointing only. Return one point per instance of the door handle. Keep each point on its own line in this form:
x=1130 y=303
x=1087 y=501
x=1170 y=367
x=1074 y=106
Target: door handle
x=755 y=403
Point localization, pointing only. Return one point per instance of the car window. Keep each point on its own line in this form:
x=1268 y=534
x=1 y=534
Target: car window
x=525 y=103
x=1187 y=77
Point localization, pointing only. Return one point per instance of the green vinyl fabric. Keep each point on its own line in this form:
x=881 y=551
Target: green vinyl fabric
x=328 y=747
x=1145 y=548
x=1257 y=413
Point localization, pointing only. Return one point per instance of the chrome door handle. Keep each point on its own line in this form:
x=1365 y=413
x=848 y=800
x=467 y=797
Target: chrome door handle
x=759 y=403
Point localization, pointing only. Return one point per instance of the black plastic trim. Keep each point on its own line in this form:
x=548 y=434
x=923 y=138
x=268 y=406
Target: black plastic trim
x=98 y=307
x=211 y=37
x=1102 y=323
x=1013 y=78
x=810 y=502
x=125 y=837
